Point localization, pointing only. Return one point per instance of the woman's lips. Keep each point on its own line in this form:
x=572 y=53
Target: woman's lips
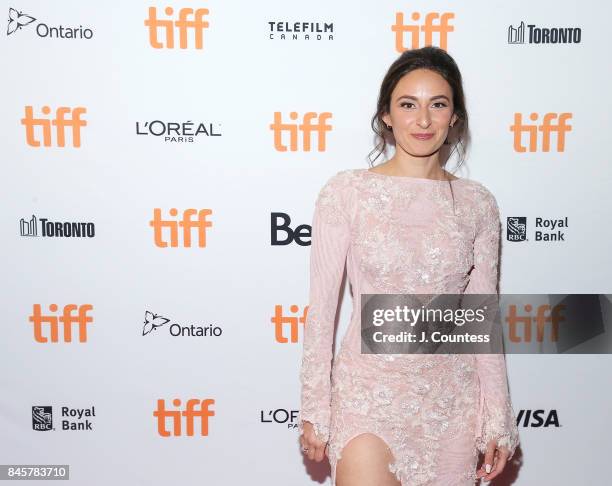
x=425 y=136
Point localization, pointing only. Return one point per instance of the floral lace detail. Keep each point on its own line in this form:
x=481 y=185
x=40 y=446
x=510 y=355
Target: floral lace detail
x=413 y=417
x=402 y=236
x=500 y=425
x=329 y=234
x=393 y=256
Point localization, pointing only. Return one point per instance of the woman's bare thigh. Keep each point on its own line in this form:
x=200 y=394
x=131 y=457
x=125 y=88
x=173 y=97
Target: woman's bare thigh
x=364 y=461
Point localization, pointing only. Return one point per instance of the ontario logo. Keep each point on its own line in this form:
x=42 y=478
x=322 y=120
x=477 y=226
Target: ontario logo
x=17 y=20
x=154 y=322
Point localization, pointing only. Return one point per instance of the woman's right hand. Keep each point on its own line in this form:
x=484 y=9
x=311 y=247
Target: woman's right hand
x=316 y=448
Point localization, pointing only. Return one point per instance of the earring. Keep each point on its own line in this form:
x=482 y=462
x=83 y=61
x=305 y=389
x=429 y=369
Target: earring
x=388 y=126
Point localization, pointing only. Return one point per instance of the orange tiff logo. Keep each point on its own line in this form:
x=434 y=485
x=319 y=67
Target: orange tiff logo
x=188 y=19
x=195 y=408
x=546 y=127
x=68 y=319
x=186 y=223
x=306 y=128
x=544 y=314
x=280 y=320
x=434 y=23
x=64 y=117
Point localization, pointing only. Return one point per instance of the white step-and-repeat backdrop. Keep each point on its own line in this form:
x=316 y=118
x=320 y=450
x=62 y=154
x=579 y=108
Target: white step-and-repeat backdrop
x=160 y=166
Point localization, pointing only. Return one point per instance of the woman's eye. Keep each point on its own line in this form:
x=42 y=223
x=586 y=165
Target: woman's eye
x=440 y=103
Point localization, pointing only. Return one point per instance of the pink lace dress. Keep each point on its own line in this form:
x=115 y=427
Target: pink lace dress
x=403 y=235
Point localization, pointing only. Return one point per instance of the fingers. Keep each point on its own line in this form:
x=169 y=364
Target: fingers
x=487 y=465
x=500 y=463
x=317 y=450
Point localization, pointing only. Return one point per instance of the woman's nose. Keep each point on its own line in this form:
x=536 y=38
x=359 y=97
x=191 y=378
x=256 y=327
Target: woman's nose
x=423 y=118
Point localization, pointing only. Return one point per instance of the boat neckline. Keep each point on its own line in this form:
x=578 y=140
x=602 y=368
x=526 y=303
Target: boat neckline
x=423 y=179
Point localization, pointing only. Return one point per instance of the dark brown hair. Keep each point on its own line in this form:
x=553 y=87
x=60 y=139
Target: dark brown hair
x=439 y=61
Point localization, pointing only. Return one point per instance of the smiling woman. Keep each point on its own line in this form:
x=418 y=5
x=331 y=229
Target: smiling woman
x=421 y=99
x=406 y=226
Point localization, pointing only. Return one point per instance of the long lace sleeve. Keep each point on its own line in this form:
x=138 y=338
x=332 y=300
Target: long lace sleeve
x=496 y=416
x=329 y=247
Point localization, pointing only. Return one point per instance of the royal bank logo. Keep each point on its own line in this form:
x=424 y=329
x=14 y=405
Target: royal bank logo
x=17 y=20
x=517 y=228
x=42 y=418
x=543 y=35
x=304 y=31
x=71 y=419
x=546 y=229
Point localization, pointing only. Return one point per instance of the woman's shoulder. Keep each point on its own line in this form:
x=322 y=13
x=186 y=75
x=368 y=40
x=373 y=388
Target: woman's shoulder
x=337 y=196
x=344 y=177
x=479 y=190
x=343 y=181
x=482 y=201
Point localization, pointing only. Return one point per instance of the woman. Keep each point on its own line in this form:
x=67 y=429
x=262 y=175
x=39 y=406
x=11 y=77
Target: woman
x=406 y=226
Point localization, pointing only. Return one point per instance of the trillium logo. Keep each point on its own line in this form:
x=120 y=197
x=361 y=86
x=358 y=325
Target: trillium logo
x=17 y=20
x=152 y=322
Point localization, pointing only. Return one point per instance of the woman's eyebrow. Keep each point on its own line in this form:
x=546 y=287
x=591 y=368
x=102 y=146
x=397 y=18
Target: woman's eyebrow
x=416 y=99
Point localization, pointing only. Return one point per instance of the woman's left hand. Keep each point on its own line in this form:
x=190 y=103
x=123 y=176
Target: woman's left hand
x=496 y=458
